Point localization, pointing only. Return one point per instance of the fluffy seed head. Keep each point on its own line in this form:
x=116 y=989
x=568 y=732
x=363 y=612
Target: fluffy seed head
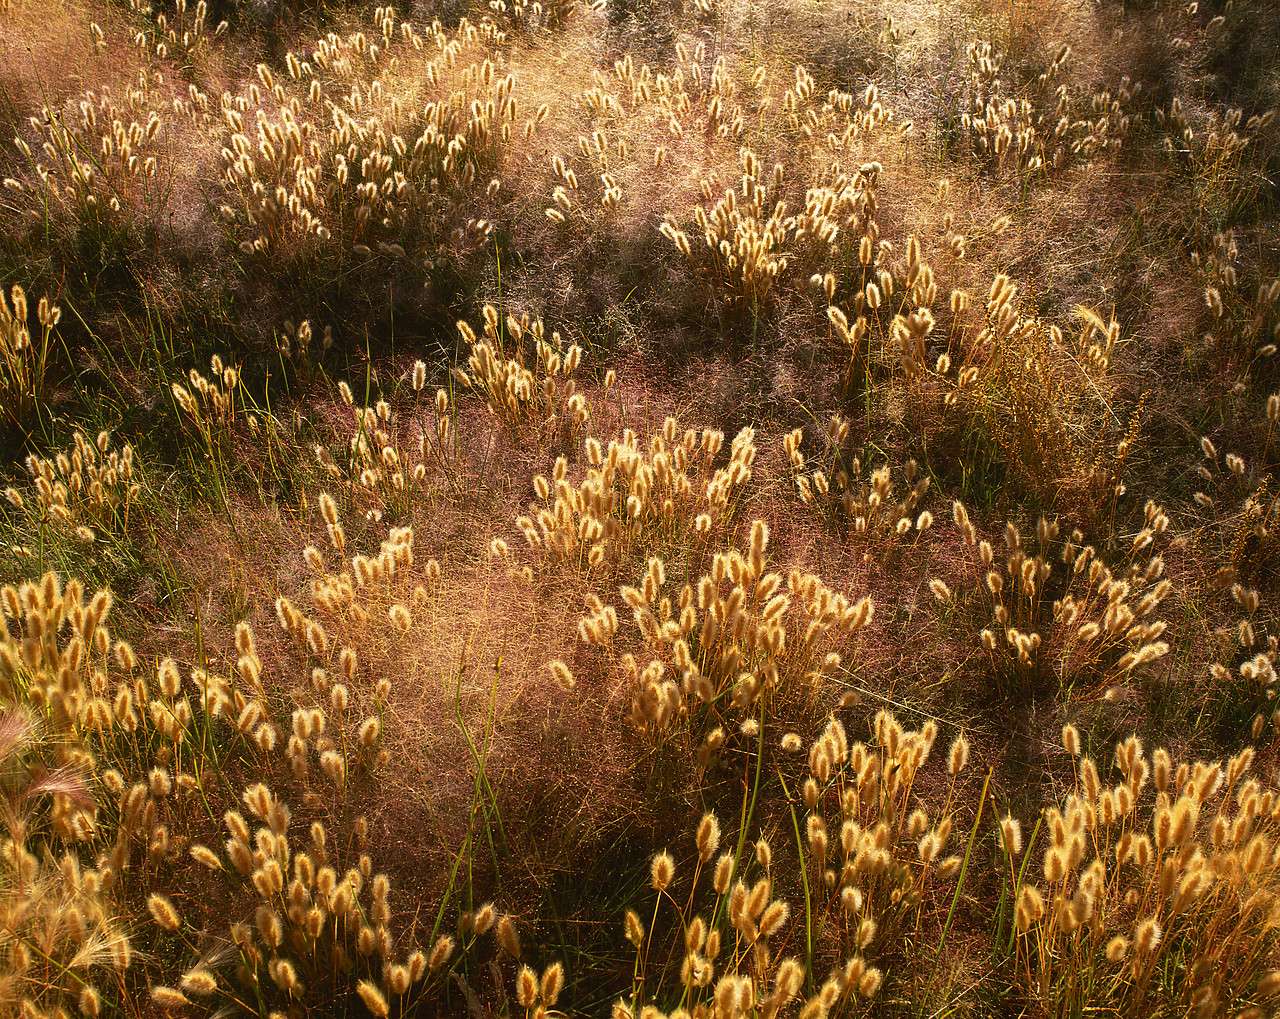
x=634 y=928
x=1146 y=935
x=1011 y=835
x=162 y=912
x=167 y=997
x=724 y=873
x=661 y=870
x=526 y=987
x=441 y=952
x=560 y=672
x=1071 y=740
x=552 y=983
x=708 y=837
x=373 y=998
x=1030 y=907
x=205 y=856
x=507 y=937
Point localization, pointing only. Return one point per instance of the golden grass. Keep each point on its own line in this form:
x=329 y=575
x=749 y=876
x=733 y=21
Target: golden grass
x=493 y=681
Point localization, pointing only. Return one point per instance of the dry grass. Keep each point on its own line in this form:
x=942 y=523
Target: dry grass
x=519 y=458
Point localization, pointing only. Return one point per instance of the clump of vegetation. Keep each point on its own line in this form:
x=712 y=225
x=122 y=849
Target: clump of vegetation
x=610 y=413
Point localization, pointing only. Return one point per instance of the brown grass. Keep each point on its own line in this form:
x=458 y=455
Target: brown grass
x=480 y=748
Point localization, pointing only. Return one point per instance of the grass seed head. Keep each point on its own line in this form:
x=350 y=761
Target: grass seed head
x=634 y=929
x=1011 y=835
x=373 y=998
x=560 y=672
x=526 y=987
x=507 y=938
x=724 y=873
x=708 y=837
x=168 y=997
x=661 y=871
x=162 y=911
x=441 y=952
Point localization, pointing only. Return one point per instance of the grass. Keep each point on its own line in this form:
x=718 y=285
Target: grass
x=639 y=509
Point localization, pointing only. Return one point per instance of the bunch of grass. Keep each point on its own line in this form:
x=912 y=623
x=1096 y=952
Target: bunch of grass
x=890 y=851
x=136 y=748
x=874 y=286
x=721 y=126
x=86 y=490
x=1247 y=681
x=1025 y=132
x=861 y=893
x=1236 y=503
x=100 y=167
x=1050 y=412
x=686 y=103
x=894 y=329
x=133 y=764
x=186 y=37
x=1174 y=913
x=210 y=403
x=61 y=935
x=383 y=470
x=515 y=394
x=1223 y=155
x=734 y=634
x=58 y=681
x=208 y=411
x=24 y=363
x=390 y=174
x=837 y=492
x=376 y=618
x=522 y=19
x=638 y=497
x=749 y=240
x=375 y=626
x=142 y=738
x=96 y=164
x=1243 y=329
x=378 y=594
x=322 y=934
x=1238 y=524
x=729 y=967
x=1059 y=612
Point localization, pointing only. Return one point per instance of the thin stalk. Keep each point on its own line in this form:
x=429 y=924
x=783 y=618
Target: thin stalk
x=804 y=877
x=964 y=867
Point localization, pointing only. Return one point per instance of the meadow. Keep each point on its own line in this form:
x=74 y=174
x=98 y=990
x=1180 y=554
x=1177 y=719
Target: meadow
x=646 y=509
